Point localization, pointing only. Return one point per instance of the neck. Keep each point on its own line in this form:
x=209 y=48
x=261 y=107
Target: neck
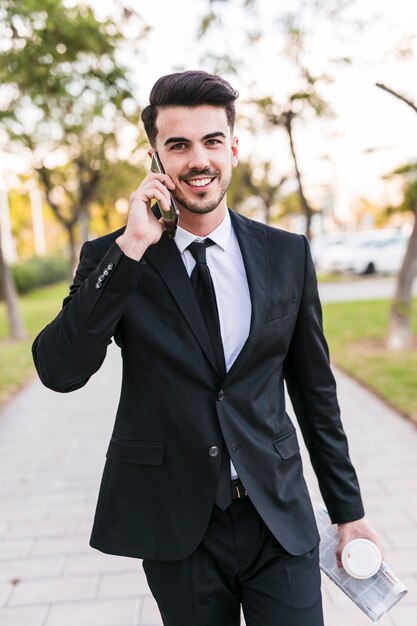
x=202 y=225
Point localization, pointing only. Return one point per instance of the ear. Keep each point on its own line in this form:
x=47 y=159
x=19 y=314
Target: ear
x=235 y=151
x=150 y=152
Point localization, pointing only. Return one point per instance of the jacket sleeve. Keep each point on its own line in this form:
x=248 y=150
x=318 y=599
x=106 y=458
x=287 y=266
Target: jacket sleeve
x=73 y=346
x=312 y=389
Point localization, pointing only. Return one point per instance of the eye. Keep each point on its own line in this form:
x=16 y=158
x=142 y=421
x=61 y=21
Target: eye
x=213 y=142
x=179 y=146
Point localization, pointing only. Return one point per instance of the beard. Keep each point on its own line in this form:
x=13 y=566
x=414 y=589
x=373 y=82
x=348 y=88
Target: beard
x=203 y=204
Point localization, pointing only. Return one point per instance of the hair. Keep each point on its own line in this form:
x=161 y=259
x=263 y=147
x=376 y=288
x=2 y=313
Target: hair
x=191 y=88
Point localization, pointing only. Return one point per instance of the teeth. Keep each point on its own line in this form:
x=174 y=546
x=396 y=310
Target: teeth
x=199 y=183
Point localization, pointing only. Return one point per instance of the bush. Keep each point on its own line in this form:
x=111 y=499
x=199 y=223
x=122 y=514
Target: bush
x=39 y=271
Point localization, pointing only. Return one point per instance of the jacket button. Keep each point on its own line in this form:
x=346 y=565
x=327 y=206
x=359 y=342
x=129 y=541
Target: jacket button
x=220 y=395
x=214 y=451
x=98 y=285
x=110 y=267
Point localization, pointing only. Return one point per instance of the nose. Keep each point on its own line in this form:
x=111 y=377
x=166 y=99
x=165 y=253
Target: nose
x=198 y=158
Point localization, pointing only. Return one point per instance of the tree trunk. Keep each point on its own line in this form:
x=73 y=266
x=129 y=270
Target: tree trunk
x=73 y=250
x=16 y=326
x=399 y=330
x=303 y=200
x=84 y=223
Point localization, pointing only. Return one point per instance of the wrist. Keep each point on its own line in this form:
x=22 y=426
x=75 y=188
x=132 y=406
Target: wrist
x=131 y=246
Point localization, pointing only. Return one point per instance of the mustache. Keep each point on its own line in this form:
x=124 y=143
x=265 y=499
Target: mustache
x=196 y=172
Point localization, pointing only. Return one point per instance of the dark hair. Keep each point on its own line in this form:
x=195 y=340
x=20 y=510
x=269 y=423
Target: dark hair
x=191 y=88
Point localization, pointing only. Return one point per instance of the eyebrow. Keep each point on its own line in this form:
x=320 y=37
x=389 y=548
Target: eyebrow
x=217 y=133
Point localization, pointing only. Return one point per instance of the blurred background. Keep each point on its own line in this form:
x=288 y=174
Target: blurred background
x=327 y=121
x=327 y=125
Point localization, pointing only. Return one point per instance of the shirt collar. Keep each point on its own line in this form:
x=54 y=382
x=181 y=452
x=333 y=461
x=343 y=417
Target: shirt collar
x=220 y=235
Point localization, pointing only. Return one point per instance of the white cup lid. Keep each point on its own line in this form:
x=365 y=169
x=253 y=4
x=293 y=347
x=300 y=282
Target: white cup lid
x=361 y=558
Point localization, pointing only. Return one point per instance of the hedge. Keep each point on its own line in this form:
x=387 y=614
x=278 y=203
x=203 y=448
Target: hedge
x=39 y=271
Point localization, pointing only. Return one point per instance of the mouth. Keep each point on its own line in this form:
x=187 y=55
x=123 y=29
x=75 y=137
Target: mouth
x=199 y=183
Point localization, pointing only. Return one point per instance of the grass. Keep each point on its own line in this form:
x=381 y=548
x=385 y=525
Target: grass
x=356 y=333
x=38 y=308
x=337 y=278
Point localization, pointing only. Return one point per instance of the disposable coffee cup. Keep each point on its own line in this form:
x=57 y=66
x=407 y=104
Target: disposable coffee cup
x=361 y=558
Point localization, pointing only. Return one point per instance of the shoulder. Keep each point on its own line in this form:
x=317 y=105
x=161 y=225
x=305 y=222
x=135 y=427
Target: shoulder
x=277 y=237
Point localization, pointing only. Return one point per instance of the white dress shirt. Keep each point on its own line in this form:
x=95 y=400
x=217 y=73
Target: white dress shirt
x=230 y=283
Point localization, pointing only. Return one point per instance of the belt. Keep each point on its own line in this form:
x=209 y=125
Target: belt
x=238 y=490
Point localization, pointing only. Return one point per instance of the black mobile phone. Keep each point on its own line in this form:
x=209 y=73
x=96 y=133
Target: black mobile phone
x=170 y=217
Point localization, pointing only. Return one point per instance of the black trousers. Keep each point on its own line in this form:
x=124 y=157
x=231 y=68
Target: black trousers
x=238 y=564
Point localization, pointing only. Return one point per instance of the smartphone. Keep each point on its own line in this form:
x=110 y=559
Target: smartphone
x=170 y=217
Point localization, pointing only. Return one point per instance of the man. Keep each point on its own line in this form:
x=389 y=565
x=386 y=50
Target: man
x=203 y=478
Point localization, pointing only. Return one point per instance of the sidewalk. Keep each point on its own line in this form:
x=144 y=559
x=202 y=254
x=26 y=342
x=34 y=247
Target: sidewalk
x=52 y=450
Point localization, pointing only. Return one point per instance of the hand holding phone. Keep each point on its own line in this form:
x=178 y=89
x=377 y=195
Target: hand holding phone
x=170 y=217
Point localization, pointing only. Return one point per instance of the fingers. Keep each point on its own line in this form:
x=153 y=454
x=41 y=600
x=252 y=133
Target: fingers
x=151 y=189
x=355 y=530
x=142 y=225
x=339 y=550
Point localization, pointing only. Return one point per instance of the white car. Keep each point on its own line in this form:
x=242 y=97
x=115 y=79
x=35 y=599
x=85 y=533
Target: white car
x=366 y=253
x=327 y=246
x=384 y=256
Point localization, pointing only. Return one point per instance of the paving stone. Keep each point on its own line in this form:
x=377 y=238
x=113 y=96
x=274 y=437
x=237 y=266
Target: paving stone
x=15 y=549
x=96 y=561
x=3 y=530
x=21 y=512
x=68 y=545
x=5 y=593
x=98 y=613
x=404 y=538
x=402 y=561
x=19 y=569
x=403 y=615
x=77 y=511
x=123 y=585
x=411 y=597
x=41 y=528
x=398 y=518
x=51 y=590
x=26 y=616
x=150 y=612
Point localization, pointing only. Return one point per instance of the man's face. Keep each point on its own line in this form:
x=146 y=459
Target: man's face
x=198 y=153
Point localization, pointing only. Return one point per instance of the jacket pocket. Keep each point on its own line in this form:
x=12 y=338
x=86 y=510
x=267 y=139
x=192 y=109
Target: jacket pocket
x=287 y=445
x=281 y=310
x=138 y=452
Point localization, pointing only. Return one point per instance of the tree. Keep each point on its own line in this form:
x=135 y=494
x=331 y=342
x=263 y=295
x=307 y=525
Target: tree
x=251 y=180
x=16 y=326
x=399 y=330
x=67 y=101
x=284 y=116
x=293 y=30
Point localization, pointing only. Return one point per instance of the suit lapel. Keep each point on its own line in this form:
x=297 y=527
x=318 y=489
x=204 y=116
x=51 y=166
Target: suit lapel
x=166 y=260
x=252 y=243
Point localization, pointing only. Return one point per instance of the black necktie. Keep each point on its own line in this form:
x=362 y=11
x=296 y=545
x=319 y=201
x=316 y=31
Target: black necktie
x=206 y=296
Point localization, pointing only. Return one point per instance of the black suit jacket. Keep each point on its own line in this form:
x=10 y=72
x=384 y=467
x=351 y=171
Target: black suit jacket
x=159 y=481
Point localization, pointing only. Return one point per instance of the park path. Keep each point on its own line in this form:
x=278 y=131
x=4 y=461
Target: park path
x=52 y=450
x=360 y=288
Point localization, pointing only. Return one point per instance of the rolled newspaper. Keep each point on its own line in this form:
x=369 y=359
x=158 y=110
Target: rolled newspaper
x=374 y=595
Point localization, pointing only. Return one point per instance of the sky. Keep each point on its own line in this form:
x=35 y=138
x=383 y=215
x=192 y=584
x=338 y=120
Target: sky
x=370 y=133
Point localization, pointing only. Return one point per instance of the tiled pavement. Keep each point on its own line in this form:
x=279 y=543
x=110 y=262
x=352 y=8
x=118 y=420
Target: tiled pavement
x=52 y=451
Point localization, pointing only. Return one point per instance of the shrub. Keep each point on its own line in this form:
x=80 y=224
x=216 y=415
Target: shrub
x=39 y=271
